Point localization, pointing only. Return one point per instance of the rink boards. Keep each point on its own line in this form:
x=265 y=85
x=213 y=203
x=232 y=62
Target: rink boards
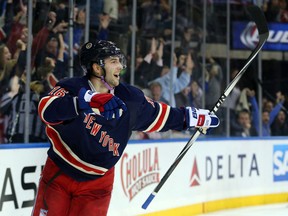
x=215 y=174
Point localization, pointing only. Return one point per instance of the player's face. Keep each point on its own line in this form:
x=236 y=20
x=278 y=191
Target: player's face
x=113 y=69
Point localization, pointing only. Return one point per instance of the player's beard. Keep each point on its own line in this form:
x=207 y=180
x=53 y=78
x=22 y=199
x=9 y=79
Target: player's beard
x=112 y=79
x=115 y=81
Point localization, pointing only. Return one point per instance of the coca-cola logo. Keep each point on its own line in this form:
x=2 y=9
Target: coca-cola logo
x=139 y=170
x=249 y=36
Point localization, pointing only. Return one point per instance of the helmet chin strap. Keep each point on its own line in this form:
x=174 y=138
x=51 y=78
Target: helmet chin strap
x=102 y=78
x=106 y=84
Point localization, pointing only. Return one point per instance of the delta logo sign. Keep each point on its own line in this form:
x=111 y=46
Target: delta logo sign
x=220 y=167
x=195 y=178
x=245 y=36
x=139 y=170
x=280 y=163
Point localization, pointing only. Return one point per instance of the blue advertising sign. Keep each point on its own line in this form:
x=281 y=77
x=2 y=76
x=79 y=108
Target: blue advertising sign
x=245 y=36
x=280 y=163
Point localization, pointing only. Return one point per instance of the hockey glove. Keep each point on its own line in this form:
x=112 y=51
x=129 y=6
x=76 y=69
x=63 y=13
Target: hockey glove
x=200 y=118
x=108 y=105
x=84 y=98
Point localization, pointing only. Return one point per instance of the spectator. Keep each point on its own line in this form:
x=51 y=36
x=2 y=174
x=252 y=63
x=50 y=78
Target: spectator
x=181 y=98
x=195 y=95
x=45 y=74
x=151 y=66
x=283 y=13
x=17 y=26
x=156 y=92
x=213 y=80
x=111 y=8
x=6 y=19
x=54 y=49
x=50 y=30
x=20 y=52
x=179 y=83
x=7 y=71
x=12 y=106
x=21 y=43
x=231 y=102
x=191 y=34
x=280 y=127
x=78 y=30
x=267 y=104
x=97 y=7
x=152 y=16
x=7 y=65
x=267 y=116
x=124 y=15
x=243 y=102
x=62 y=12
x=233 y=98
x=213 y=90
x=41 y=9
x=105 y=20
x=272 y=10
x=243 y=126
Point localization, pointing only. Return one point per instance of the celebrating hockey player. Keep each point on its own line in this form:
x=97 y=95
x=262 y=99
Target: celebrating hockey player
x=89 y=121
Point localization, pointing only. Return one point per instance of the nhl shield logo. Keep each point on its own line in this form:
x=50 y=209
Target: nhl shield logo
x=88 y=45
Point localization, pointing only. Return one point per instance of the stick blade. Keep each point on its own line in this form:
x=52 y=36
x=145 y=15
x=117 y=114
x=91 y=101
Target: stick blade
x=258 y=17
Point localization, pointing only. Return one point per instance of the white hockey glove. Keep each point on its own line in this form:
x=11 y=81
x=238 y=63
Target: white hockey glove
x=200 y=118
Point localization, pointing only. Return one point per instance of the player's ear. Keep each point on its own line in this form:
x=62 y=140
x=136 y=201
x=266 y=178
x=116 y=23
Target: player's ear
x=97 y=69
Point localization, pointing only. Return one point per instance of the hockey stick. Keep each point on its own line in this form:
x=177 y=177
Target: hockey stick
x=258 y=17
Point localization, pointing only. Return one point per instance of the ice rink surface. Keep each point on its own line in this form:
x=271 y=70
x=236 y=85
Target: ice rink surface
x=263 y=210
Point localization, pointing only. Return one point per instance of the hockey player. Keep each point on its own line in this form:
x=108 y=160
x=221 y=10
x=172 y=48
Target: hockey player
x=89 y=121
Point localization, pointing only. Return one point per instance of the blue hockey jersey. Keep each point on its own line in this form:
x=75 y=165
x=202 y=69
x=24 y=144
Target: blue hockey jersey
x=86 y=146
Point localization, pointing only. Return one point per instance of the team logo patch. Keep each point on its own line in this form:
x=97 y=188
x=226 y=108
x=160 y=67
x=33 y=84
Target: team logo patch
x=88 y=45
x=201 y=120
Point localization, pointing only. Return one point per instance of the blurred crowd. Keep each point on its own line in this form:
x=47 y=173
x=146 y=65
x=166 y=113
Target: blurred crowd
x=155 y=71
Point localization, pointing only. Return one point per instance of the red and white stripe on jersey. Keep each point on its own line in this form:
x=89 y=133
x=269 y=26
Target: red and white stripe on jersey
x=63 y=151
x=43 y=104
x=161 y=118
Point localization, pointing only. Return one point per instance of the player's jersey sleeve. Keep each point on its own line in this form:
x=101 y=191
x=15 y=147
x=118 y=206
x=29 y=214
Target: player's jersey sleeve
x=157 y=116
x=59 y=105
x=149 y=116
